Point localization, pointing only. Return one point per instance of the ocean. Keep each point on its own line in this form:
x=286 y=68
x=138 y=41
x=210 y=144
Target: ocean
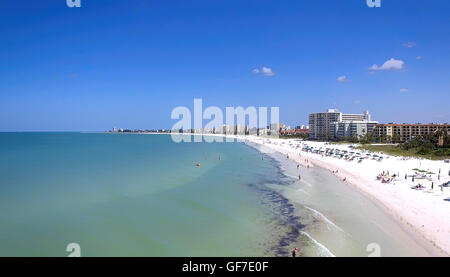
x=144 y=195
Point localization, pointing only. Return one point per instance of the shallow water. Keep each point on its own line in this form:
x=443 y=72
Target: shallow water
x=132 y=195
x=143 y=195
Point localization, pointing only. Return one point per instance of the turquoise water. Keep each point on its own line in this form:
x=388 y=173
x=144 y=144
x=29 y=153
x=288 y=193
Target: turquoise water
x=133 y=195
x=143 y=195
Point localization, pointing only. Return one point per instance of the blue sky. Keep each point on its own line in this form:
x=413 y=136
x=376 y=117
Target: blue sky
x=128 y=63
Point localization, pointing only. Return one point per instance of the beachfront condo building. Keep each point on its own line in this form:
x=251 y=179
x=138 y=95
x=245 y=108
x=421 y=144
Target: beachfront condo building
x=319 y=123
x=332 y=123
x=356 y=117
x=406 y=132
x=347 y=129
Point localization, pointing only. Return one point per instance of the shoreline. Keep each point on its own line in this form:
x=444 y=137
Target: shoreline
x=294 y=219
x=432 y=234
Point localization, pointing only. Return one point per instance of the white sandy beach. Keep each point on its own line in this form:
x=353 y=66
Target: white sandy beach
x=425 y=212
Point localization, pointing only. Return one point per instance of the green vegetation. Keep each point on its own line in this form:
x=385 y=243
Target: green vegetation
x=422 y=171
x=393 y=150
x=342 y=142
x=297 y=136
x=398 y=150
x=367 y=138
x=435 y=146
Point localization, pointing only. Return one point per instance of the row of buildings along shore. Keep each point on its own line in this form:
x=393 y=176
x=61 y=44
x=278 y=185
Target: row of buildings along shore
x=332 y=124
x=329 y=125
x=273 y=129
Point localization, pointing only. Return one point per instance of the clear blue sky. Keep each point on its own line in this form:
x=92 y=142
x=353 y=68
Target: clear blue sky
x=128 y=63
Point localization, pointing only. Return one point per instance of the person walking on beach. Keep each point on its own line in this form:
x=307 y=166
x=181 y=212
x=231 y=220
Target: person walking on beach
x=294 y=253
x=432 y=185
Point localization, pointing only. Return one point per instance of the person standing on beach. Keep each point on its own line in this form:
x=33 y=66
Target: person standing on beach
x=294 y=253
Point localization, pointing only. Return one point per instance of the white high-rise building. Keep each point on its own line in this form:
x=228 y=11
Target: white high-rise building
x=351 y=128
x=333 y=124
